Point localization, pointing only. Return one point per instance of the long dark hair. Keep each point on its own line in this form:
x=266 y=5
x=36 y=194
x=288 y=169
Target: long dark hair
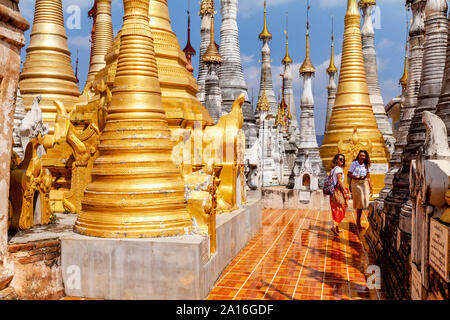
x=367 y=160
x=335 y=159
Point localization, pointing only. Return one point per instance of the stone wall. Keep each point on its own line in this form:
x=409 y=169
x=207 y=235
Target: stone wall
x=12 y=26
x=37 y=271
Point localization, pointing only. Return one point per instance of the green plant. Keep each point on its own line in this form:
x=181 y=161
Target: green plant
x=53 y=219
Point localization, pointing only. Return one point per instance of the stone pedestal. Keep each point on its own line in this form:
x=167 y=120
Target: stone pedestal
x=158 y=268
x=283 y=198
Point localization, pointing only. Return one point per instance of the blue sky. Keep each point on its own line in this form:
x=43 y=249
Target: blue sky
x=389 y=39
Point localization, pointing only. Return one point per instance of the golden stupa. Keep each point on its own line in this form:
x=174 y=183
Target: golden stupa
x=352 y=125
x=186 y=116
x=47 y=70
x=103 y=38
x=136 y=189
x=178 y=85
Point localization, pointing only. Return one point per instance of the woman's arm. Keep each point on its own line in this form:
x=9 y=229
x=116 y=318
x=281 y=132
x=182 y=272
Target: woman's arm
x=341 y=184
x=370 y=183
x=350 y=172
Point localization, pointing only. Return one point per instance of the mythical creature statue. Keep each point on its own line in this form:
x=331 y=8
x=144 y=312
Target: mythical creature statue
x=84 y=146
x=223 y=145
x=32 y=125
x=29 y=181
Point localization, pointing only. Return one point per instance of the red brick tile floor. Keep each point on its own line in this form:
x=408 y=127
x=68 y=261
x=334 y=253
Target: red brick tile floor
x=296 y=257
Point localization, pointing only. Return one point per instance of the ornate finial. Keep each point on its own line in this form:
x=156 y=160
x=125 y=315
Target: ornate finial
x=189 y=51
x=263 y=103
x=283 y=102
x=280 y=118
x=265 y=34
x=76 y=69
x=332 y=68
x=404 y=79
x=287 y=59
x=206 y=7
x=363 y=3
x=289 y=115
x=307 y=66
x=353 y=13
x=212 y=55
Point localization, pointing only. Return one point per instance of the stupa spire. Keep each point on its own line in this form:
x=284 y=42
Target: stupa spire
x=332 y=67
x=331 y=70
x=265 y=34
x=404 y=79
x=307 y=66
x=266 y=69
x=189 y=51
x=287 y=59
x=288 y=92
x=103 y=37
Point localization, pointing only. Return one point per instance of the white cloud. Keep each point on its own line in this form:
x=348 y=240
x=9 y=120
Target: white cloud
x=385 y=43
x=247 y=59
x=382 y=63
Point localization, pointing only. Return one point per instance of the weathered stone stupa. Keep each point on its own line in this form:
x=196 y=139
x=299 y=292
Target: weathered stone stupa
x=266 y=69
x=231 y=76
x=308 y=169
x=443 y=107
x=288 y=94
x=390 y=233
x=47 y=69
x=432 y=71
x=332 y=88
x=348 y=137
x=206 y=10
x=370 y=63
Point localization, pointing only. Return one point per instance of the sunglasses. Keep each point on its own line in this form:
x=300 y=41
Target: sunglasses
x=341 y=159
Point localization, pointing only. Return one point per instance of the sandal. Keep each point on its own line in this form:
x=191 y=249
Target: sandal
x=333 y=229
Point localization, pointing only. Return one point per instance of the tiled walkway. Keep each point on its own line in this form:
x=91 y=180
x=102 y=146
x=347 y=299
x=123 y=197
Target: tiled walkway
x=295 y=256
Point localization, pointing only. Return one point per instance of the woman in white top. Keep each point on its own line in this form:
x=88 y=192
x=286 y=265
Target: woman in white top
x=361 y=186
x=338 y=200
